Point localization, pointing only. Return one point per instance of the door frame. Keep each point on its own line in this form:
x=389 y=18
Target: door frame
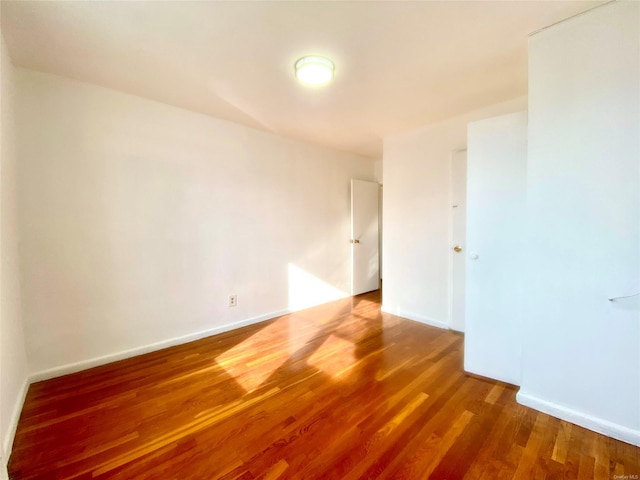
x=450 y=238
x=354 y=246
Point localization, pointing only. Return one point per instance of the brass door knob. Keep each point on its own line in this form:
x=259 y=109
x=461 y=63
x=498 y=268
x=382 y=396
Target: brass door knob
x=457 y=248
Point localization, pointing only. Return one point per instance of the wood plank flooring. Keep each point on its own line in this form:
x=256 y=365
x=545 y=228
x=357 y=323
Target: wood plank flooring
x=339 y=391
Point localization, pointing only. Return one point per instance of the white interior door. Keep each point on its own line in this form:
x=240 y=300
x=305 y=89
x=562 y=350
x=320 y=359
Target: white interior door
x=496 y=209
x=364 y=237
x=458 y=237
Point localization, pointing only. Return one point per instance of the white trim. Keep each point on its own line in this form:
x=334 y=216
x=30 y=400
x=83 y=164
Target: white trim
x=113 y=357
x=596 y=424
x=416 y=318
x=7 y=443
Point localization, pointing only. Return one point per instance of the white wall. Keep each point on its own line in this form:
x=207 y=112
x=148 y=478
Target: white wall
x=581 y=353
x=13 y=361
x=496 y=212
x=416 y=213
x=139 y=219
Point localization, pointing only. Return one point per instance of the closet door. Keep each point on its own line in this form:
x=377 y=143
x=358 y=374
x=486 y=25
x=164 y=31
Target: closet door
x=496 y=209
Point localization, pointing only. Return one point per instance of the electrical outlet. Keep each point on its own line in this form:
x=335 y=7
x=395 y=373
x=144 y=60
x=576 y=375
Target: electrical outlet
x=233 y=300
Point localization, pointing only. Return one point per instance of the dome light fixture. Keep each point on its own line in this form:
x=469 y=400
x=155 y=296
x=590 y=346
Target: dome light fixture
x=314 y=70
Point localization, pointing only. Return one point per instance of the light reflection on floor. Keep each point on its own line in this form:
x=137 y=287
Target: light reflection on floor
x=249 y=363
x=299 y=337
x=327 y=358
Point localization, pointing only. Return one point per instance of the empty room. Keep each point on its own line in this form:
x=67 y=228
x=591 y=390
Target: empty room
x=320 y=239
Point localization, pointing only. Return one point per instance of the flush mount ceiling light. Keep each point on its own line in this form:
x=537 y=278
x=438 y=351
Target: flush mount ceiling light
x=314 y=70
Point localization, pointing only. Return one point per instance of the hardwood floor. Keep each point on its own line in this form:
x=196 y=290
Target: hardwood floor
x=339 y=391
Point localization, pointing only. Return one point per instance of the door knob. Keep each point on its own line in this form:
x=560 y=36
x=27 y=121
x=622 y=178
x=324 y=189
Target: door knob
x=457 y=248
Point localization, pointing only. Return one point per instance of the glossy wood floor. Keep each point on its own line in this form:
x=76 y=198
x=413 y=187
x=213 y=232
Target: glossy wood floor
x=340 y=391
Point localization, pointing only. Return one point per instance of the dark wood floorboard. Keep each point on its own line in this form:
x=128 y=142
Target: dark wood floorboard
x=339 y=391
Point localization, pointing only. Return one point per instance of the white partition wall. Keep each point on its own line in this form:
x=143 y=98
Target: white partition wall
x=496 y=205
x=581 y=352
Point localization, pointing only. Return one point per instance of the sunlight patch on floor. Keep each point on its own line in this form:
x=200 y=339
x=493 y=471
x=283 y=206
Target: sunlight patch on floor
x=254 y=360
x=334 y=356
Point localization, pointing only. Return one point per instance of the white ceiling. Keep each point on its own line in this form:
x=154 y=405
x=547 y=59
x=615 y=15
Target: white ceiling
x=399 y=64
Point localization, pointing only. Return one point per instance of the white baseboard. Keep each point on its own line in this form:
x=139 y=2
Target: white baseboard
x=416 y=318
x=598 y=425
x=113 y=357
x=7 y=442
